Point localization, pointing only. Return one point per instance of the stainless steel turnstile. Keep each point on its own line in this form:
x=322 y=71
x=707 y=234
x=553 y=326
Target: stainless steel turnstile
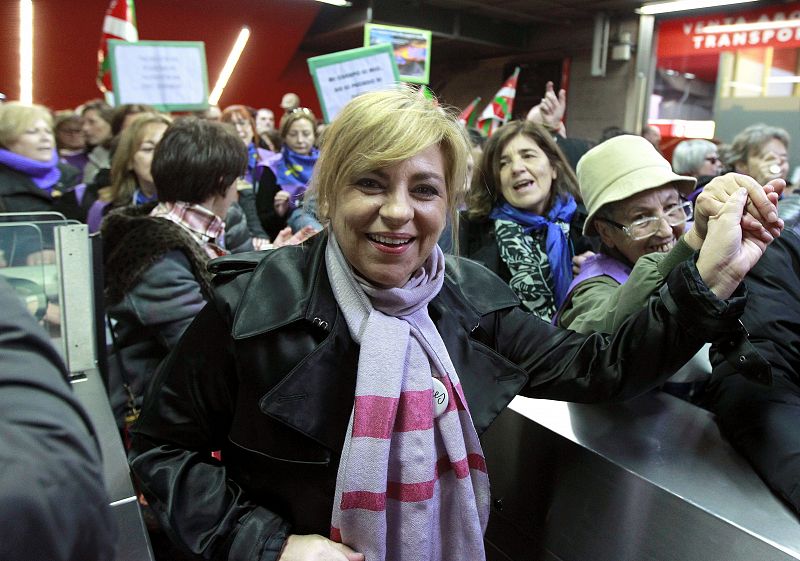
x=650 y=479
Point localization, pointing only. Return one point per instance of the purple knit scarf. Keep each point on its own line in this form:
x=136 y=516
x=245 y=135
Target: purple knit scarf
x=43 y=174
x=410 y=486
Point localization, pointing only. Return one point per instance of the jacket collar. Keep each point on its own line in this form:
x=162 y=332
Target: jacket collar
x=299 y=287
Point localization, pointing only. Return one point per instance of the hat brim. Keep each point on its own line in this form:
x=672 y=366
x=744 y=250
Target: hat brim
x=636 y=182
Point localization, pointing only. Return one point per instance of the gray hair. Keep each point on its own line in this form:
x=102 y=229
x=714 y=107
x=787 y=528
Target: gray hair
x=750 y=141
x=689 y=156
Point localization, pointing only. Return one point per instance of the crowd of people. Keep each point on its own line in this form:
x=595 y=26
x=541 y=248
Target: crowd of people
x=311 y=330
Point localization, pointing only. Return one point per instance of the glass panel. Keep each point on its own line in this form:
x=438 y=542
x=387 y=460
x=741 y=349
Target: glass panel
x=28 y=263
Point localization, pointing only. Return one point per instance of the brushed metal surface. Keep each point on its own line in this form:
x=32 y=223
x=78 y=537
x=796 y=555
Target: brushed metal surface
x=133 y=543
x=648 y=479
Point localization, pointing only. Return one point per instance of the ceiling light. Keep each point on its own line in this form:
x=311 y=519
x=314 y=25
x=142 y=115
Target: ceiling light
x=230 y=64
x=755 y=26
x=336 y=2
x=26 y=51
x=684 y=5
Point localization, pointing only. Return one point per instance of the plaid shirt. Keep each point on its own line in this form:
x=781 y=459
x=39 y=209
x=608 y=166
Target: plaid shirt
x=203 y=225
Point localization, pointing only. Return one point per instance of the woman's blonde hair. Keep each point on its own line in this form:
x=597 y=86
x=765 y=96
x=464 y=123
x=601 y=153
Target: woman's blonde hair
x=17 y=117
x=485 y=191
x=123 y=180
x=380 y=129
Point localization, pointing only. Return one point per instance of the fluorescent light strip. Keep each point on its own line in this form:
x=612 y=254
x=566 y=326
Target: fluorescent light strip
x=755 y=26
x=230 y=64
x=685 y=5
x=335 y=2
x=26 y=51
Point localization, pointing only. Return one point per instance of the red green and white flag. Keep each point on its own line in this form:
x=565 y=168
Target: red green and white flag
x=470 y=114
x=119 y=23
x=498 y=112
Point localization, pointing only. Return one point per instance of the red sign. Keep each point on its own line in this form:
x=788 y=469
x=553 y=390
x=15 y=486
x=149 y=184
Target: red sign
x=686 y=37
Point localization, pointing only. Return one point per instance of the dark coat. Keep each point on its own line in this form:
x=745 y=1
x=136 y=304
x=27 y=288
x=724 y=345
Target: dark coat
x=18 y=193
x=266 y=374
x=156 y=282
x=53 y=502
x=762 y=421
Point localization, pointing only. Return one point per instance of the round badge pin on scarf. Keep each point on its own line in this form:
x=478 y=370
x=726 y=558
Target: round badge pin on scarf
x=440 y=397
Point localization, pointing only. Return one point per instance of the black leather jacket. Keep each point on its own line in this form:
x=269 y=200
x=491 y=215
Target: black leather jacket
x=267 y=375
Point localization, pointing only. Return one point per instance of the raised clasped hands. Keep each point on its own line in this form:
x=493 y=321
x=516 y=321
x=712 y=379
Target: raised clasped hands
x=761 y=216
x=730 y=248
x=314 y=547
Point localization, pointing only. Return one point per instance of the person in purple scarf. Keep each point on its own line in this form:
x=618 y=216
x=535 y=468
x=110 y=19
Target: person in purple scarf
x=280 y=200
x=32 y=177
x=346 y=381
x=524 y=217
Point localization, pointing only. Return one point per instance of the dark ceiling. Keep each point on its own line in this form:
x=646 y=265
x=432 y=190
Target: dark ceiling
x=461 y=28
x=536 y=11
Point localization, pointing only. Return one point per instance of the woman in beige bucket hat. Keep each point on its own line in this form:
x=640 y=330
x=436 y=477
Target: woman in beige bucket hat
x=632 y=197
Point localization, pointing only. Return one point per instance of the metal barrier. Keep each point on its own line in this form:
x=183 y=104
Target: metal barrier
x=648 y=479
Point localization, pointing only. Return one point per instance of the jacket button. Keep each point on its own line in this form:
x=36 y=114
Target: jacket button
x=321 y=323
x=742 y=359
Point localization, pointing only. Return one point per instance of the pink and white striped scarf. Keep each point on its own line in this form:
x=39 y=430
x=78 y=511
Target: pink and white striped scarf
x=410 y=486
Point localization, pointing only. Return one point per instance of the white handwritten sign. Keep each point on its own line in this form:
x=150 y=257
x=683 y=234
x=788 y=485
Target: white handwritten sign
x=339 y=77
x=170 y=75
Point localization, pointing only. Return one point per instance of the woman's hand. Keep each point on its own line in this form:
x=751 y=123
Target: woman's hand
x=762 y=213
x=729 y=250
x=285 y=236
x=281 y=202
x=316 y=548
x=578 y=260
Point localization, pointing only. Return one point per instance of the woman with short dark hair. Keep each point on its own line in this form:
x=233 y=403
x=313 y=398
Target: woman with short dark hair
x=155 y=254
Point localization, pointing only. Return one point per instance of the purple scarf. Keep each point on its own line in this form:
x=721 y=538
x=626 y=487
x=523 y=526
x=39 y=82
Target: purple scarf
x=43 y=174
x=293 y=171
x=411 y=485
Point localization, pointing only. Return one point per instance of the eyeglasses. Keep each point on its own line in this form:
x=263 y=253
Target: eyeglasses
x=646 y=227
x=713 y=159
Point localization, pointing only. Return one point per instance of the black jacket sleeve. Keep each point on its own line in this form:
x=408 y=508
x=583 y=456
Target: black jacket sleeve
x=51 y=481
x=648 y=348
x=198 y=504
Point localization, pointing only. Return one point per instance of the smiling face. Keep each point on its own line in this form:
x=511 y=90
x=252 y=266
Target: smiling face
x=143 y=157
x=36 y=142
x=300 y=136
x=653 y=202
x=388 y=220
x=96 y=129
x=526 y=175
